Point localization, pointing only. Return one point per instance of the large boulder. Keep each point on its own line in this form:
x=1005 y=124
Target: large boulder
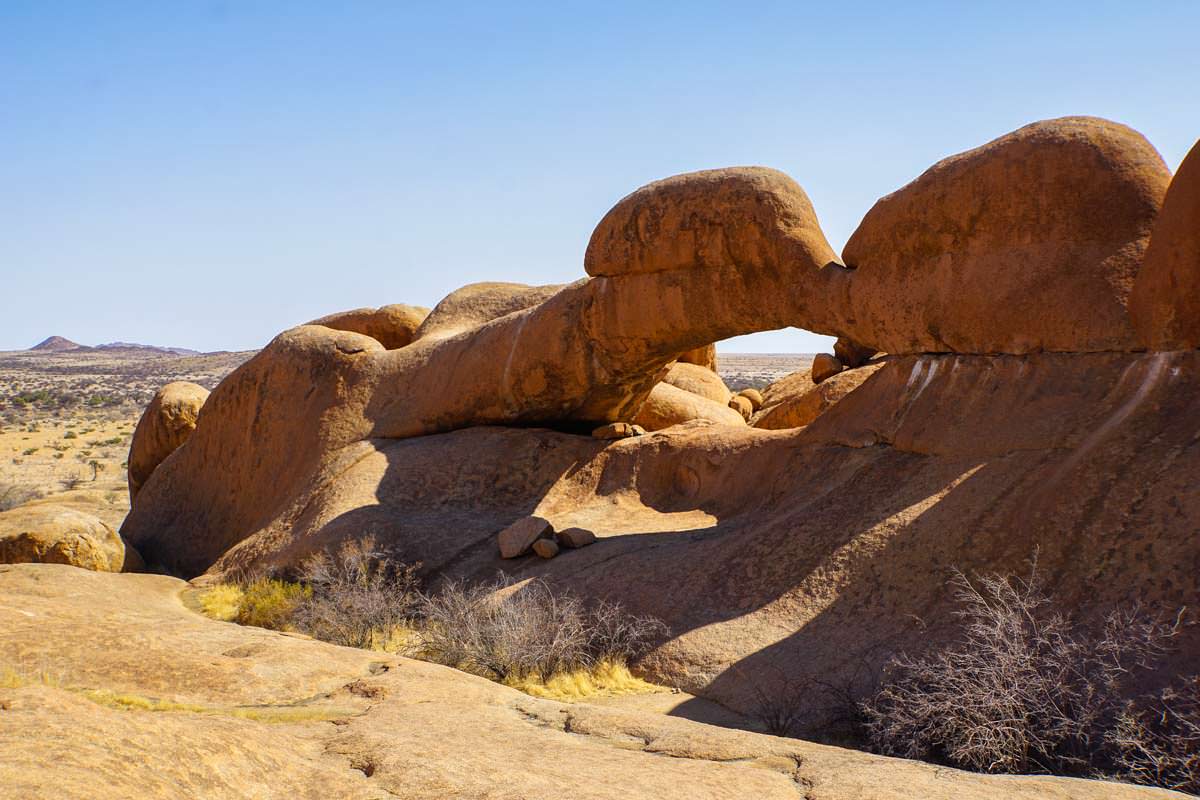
x=1165 y=305
x=795 y=401
x=750 y=216
x=165 y=425
x=392 y=326
x=478 y=303
x=1030 y=242
x=668 y=405
x=698 y=380
x=46 y=533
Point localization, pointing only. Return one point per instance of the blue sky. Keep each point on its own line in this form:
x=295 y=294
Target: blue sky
x=206 y=174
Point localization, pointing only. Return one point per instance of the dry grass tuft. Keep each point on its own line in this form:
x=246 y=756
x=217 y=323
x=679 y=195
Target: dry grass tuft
x=608 y=678
x=222 y=602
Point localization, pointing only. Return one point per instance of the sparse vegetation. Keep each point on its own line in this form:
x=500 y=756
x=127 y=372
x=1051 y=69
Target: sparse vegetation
x=524 y=635
x=517 y=633
x=13 y=495
x=1027 y=690
x=359 y=597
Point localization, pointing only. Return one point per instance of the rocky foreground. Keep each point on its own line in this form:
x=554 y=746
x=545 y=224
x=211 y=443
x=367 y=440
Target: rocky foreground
x=122 y=691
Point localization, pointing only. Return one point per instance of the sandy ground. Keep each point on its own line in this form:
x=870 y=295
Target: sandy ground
x=758 y=370
x=66 y=419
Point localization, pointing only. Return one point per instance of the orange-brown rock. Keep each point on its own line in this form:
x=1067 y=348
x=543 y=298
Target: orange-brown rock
x=750 y=216
x=575 y=537
x=754 y=396
x=165 y=424
x=703 y=356
x=742 y=405
x=519 y=537
x=392 y=326
x=668 y=405
x=795 y=401
x=1165 y=305
x=545 y=548
x=825 y=366
x=478 y=303
x=852 y=354
x=251 y=713
x=698 y=380
x=1030 y=242
x=617 y=430
x=46 y=533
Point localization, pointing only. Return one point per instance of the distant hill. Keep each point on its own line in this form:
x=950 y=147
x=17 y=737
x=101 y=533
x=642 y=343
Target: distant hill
x=178 y=351
x=56 y=343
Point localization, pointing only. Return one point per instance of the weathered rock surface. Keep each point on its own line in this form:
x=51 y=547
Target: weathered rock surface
x=795 y=401
x=852 y=354
x=545 y=548
x=742 y=405
x=703 y=356
x=751 y=216
x=617 y=430
x=360 y=725
x=479 y=303
x=824 y=367
x=1165 y=305
x=698 y=380
x=392 y=326
x=1030 y=242
x=575 y=537
x=754 y=396
x=516 y=539
x=668 y=405
x=165 y=424
x=46 y=533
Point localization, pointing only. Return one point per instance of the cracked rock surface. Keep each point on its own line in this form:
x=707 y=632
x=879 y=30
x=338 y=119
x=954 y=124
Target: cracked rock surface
x=378 y=727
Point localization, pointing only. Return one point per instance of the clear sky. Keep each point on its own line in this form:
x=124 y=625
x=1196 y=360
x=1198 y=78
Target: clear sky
x=206 y=174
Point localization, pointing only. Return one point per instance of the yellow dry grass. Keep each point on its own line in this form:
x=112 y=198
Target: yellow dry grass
x=221 y=601
x=126 y=701
x=606 y=679
x=264 y=603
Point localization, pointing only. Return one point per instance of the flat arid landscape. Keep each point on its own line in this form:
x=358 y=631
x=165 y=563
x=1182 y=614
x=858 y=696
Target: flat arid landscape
x=624 y=402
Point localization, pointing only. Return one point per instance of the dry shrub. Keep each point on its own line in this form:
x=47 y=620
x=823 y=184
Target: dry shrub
x=514 y=633
x=1024 y=690
x=270 y=603
x=1159 y=744
x=13 y=495
x=359 y=596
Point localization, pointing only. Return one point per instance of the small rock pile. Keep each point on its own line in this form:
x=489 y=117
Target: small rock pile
x=536 y=534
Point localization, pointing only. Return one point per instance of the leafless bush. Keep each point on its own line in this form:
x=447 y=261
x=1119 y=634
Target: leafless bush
x=13 y=495
x=793 y=702
x=359 y=595
x=781 y=704
x=1159 y=744
x=1024 y=690
x=501 y=630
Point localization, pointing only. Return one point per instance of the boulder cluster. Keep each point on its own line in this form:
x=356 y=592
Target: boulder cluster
x=1034 y=242
x=537 y=535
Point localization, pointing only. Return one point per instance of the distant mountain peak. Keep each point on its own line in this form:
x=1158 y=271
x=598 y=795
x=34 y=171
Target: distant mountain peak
x=56 y=343
x=177 y=351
